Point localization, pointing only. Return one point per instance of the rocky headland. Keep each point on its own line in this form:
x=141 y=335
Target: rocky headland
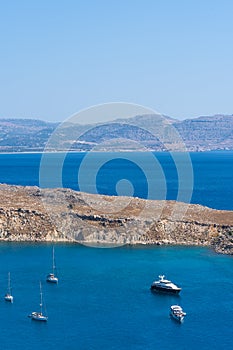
x=33 y=214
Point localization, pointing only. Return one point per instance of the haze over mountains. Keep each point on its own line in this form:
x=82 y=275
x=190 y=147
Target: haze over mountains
x=146 y=132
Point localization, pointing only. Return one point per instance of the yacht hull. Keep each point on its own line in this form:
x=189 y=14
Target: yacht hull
x=177 y=313
x=159 y=289
x=177 y=318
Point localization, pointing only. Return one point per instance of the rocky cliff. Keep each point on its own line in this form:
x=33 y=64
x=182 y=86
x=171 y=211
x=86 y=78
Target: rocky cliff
x=33 y=214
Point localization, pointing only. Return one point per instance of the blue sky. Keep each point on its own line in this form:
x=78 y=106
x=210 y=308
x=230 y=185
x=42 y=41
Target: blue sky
x=58 y=57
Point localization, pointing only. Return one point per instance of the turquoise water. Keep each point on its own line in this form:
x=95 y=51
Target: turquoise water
x=103 y=299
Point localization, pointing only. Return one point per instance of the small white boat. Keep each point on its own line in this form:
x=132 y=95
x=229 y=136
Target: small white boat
x=38 y=316
x=177 y=313
x=8 y=295
x=51 y=277
x=163 y=285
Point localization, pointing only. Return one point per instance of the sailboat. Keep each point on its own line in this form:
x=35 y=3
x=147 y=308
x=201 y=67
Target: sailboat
x=38 y=316
x=51 y=276
x=8 y=295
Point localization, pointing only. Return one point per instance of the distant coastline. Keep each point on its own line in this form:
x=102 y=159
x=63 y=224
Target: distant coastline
x=140 y=133
x=118 y=151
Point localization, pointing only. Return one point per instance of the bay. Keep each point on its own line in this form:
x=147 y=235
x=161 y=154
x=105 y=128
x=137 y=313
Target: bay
x=103 y=299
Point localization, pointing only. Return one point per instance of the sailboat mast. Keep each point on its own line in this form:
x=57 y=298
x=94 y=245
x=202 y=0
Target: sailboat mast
x=53 y=261
x=9 y=282
x=41 y=298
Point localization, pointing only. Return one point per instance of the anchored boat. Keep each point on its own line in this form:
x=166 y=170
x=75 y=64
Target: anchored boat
x=51 y=277
x=177 y=313
x=39 y=316
x=163 y=285
x=8 y=295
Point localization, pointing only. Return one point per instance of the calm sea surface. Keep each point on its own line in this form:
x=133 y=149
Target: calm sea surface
x=212 y=174
x=103 y=299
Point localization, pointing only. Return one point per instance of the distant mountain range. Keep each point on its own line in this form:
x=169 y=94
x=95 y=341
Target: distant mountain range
x=145 y=132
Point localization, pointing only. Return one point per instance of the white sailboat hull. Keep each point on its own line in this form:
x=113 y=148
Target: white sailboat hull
x=9 y=298
x=37 y=316
x=52 y=279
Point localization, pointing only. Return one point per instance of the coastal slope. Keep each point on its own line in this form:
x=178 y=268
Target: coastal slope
x=145 y=132
x=33 y=214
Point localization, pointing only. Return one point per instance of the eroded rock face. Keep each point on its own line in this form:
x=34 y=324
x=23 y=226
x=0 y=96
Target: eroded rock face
x=33 y=214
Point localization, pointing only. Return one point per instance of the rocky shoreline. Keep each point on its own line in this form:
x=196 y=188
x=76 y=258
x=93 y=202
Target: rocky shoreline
x=30 y=214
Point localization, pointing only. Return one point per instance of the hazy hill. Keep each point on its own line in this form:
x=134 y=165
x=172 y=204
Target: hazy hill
x=207 y=132
x=147 y=132
x=24 y=134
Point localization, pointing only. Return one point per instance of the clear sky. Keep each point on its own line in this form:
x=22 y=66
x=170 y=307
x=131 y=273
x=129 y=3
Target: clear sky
x=58 y=57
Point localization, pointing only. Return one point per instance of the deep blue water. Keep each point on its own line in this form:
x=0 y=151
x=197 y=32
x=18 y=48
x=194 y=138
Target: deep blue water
x=103 y=300
x=212 y=175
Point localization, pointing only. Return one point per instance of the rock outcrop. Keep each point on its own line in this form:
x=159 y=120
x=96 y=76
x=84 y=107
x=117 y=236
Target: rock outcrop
x=33 y=214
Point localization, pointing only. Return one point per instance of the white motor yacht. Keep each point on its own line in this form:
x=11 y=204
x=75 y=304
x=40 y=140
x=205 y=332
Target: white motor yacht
x=177 y=313
x=163 y=285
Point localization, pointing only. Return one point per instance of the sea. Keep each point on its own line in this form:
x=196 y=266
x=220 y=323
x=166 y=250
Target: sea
x=103 y=298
